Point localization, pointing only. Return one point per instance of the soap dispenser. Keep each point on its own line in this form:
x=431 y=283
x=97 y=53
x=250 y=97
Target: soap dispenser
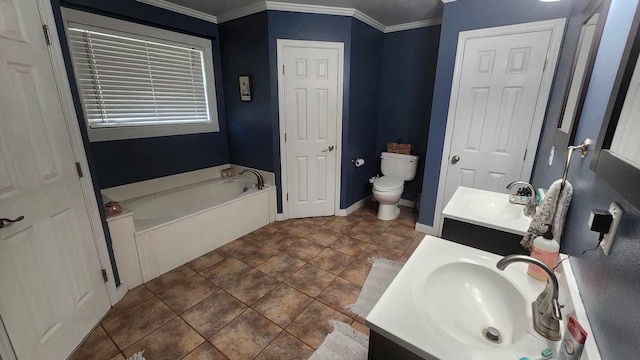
x=545 y=249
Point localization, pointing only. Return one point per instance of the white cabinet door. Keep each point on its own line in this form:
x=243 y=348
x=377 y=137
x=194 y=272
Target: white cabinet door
x=311 y=118
x=51 y=288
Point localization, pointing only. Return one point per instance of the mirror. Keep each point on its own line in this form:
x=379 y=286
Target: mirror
x=584 y=58
x=617 y=152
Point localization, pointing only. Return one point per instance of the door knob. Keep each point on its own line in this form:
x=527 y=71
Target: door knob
x=5 y=222
x=455 y=159
x=330 y=148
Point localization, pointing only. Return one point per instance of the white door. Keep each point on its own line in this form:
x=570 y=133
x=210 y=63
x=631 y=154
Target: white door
x=309 y=91
x=499 y=91
x=52 y=292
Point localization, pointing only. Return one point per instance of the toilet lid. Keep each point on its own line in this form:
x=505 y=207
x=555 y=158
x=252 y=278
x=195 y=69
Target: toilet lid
x=387 y=183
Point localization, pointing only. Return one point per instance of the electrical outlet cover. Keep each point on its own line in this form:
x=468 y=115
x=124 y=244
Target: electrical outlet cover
x=617 y=212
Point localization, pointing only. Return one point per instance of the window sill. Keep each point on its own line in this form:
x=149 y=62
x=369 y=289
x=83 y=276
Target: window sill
x=149 y=131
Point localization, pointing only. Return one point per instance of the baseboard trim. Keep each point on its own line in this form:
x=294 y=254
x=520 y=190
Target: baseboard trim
x=121 y=291
x=429 y=230
x=340 y=212
x=352 y=208
x=407 y=203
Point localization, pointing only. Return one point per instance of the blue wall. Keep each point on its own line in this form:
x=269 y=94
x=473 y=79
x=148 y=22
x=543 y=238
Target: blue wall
x=360 y=136
x=120 y=162
x=407 y=77
x=244 y=45
x=459 y=16
x=404 y=60
x=609 y=285
x=126 y=161
x=297 y=26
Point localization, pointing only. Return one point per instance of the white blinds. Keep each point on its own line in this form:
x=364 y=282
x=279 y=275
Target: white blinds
x=124 y=81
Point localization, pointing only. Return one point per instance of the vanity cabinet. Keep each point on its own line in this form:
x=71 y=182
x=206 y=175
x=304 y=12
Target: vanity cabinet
x=483 y=238
x=381 y=348
x=485 y=220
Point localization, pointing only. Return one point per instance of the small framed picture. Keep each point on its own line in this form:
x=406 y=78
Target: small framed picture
x=245 y=87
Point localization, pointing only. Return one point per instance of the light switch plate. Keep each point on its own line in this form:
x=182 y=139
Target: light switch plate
x=617 y=212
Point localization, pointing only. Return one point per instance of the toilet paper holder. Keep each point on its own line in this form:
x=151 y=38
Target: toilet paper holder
x=357 y=162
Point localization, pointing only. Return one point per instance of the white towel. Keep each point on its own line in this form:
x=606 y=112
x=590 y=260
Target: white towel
x=548 y=213
x=137 y=356
x=344 y=343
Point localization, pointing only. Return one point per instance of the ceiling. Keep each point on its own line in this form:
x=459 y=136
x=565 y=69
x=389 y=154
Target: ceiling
x=387 y=12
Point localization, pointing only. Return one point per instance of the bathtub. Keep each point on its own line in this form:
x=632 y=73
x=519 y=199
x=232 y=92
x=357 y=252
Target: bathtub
x=175 y=226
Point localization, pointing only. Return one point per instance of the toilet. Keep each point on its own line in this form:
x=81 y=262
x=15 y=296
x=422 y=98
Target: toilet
x=396 y=168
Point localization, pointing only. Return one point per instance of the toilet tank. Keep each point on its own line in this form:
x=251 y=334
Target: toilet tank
x=399 y=165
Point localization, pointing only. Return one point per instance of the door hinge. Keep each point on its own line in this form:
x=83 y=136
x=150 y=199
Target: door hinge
x=104 y=275
x=47 y=36
x=544 y=67
x=282 y=69
x=285 y=137
x=287 y=196
x=79 y=170
x=525 y=154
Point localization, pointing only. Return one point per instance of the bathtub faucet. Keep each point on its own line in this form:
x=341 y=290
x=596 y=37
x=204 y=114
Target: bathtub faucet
x=257 y=174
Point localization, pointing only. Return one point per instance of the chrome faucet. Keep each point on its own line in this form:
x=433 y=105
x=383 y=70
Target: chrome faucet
x=546 y=308
x=530 y=207
x=257 y=174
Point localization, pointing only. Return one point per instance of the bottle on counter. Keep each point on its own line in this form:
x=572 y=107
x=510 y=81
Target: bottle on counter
x=545 y=249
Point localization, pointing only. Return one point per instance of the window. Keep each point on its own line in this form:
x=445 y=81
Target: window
x=138 y=81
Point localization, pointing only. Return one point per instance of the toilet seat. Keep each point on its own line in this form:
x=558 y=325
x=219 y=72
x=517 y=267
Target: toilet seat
x=388 y=183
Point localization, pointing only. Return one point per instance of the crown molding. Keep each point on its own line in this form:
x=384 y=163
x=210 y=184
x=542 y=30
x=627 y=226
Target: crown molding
x=412 y=25
x=330 y=10
x=325 y=10
x=242 y=12
x=309 y=9
x=369 y=20
x=300 y=8
x=447 y=1
x=181 y=10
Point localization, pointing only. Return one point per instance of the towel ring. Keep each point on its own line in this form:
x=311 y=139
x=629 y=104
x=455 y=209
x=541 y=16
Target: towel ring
x=583 y=148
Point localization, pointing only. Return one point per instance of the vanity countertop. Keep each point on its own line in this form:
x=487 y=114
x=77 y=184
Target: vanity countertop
x=403 y=314
x=488 y=209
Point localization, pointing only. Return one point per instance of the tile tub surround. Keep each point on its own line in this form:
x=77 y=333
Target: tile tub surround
x=267 y=295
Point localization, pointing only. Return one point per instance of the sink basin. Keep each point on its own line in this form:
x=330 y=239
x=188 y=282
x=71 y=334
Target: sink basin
x=488 y=209
x=447 y=295
x=493 y=206
x=464 y=299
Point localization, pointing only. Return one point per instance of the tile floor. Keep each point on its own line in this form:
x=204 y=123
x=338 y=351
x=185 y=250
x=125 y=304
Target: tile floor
x=267 y=295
